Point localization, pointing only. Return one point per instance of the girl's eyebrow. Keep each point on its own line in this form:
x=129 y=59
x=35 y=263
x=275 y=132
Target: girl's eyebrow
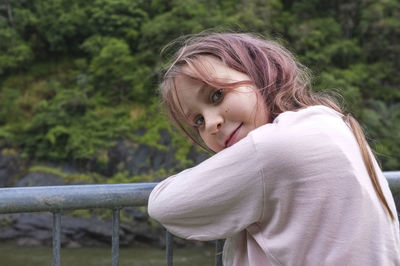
x=188 y=115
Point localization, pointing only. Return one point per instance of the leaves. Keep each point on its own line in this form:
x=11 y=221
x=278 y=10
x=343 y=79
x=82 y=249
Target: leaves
x=119 y=18
x=70 y=71
x=383 y=127
x=70 y=126
x=14 y=53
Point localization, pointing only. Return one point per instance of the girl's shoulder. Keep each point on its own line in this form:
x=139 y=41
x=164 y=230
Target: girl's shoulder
x=314 y=118
x=301 y=131
x=312 y=112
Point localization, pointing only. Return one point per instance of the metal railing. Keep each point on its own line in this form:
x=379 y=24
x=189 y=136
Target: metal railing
x=56 y=199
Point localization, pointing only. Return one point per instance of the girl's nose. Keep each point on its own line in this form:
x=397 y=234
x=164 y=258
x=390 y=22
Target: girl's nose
x=213 y=122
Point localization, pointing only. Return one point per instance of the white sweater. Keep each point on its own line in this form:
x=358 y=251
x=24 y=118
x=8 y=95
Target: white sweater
x=293 y=192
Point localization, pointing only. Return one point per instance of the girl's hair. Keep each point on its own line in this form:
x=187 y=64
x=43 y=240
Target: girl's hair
x=283 y=82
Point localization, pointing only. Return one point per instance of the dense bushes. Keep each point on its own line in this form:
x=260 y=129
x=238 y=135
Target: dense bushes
x=76 y=75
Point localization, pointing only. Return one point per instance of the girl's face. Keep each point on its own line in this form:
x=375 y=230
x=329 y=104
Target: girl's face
x=221 y=116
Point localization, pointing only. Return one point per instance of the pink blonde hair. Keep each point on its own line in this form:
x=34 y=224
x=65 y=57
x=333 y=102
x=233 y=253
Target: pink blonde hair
x=283 y=82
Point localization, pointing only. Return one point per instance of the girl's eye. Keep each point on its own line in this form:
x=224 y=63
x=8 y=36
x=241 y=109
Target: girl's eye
x=217 y=95
x=198 y=121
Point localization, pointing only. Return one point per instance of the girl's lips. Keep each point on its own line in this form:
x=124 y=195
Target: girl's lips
x=233 y=138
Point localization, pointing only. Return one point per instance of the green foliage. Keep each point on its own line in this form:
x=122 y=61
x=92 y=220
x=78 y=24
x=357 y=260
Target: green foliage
x=94 y=44
x=20 y=94
x=380 y=30
x=383 y=124
x=62 y=23
x=5 y=136
x=123 y=177
x=24 y=20
x=115 y=72
x=343 y=53
x=8 y=97
x=181 y=19
x=69 y=126
x=119 y=18
x=262 y=17
x=67 y=178
x=112 y=69
x=345 y=83
x=14 y=53
x=185 y=17
x=76 y=75
x=313 y=37
x=155 y=122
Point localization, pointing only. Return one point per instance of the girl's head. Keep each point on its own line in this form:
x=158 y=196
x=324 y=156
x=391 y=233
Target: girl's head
x=221 y=114
x=231 y=83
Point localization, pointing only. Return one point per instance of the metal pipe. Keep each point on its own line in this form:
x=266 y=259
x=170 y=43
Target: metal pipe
x=57 y=198
x=115 y=238
x=168 y=248
x=56 y=238
x=219 y=245
x=393 y=178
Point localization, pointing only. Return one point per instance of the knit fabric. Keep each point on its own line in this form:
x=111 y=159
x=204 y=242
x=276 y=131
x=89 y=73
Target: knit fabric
x=292 y=192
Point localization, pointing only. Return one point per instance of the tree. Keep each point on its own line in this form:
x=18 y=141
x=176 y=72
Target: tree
x=14 y=53
x=119 y=18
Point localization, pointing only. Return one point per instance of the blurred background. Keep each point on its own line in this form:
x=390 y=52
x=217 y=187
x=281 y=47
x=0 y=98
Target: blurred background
x=79 y=80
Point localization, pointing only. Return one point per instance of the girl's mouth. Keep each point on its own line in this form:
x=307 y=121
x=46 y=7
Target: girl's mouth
x=233 y=138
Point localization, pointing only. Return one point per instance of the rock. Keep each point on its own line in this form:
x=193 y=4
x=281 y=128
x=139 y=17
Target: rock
x=165 y=138
x=135 y=159
x=28 y=242
x=36 y=229
x=9 y=234
x=9 y=169
x=73 y=244
x=197 y=156
x=135 y=213
x=125 y=156
x=86 y=232
x=40 y=179
x=26 y=229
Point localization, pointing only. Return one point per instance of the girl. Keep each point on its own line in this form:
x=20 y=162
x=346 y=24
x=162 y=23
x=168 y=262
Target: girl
x=293 y=181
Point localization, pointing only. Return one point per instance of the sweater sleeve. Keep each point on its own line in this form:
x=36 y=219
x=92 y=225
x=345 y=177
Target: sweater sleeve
x=216 y=199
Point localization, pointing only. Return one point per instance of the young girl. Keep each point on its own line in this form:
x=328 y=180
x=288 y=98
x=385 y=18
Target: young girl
x=293 y=181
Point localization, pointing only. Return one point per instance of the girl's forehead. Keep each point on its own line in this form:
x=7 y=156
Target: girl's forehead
x=200 y=66
x=208 y=69
x=187 y=82
x=194 y=74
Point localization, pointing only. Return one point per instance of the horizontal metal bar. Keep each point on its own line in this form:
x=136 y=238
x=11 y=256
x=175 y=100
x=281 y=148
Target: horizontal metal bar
x=56 y=198
x=393 y=178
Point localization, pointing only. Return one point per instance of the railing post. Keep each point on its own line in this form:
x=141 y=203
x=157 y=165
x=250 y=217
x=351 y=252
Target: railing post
x=115 y=238
x=219 y=245
x=56 y=238
x=169 y=248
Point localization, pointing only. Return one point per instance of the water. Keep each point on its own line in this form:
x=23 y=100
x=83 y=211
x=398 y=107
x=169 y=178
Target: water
x=13 y=255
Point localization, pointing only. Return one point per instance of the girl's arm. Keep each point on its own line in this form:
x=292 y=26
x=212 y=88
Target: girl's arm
x=216 y=199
